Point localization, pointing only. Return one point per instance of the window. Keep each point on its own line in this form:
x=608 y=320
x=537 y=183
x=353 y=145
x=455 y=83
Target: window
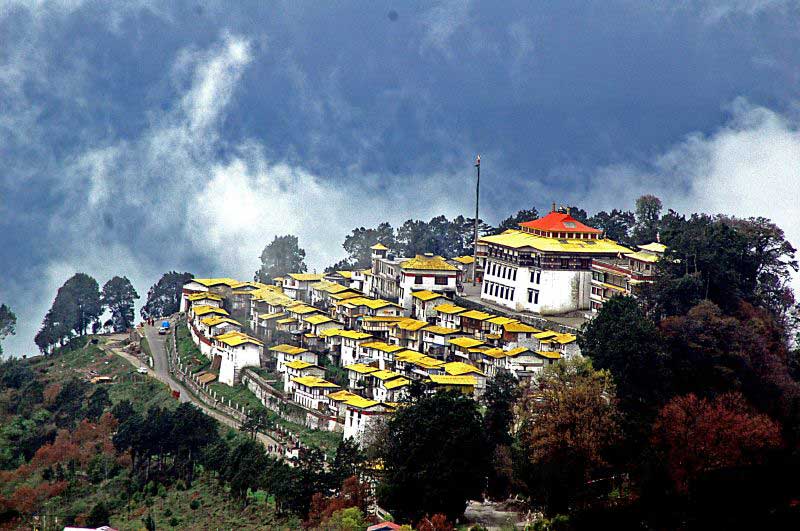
x=514 y=275
x=418 y=279
x=586 y=263
x=441 y=280
x=538 y=277
x=533 y=277
x=565 y=263
x=533 y=296
x=512 y=294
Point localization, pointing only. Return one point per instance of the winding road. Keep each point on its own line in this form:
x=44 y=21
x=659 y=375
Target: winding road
x=160 y=371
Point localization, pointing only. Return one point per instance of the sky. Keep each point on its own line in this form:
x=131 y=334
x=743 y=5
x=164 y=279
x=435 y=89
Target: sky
x=138 y=137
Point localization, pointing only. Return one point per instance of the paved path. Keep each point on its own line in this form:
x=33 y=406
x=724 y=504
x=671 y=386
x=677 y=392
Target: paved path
x=161 y=372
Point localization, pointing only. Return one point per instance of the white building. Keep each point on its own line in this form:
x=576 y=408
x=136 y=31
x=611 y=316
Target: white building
x=312 y=392
x=299 y=369
x=622 y=275
x=426 y=272
x=287 y=353
x=237 y=351
x=361 y=414
x=545 y=266
x=298 y=285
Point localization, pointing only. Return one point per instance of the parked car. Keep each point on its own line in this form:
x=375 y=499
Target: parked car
x=164 y=328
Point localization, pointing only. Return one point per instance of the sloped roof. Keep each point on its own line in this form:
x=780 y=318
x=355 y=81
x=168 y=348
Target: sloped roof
x=428 y=263
x=560 y=222
x=426 y=295
x=449 y=379
x=518 y=239
x=449 y=308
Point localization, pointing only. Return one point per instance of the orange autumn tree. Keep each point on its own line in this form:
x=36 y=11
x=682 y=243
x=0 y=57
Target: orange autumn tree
x=697 y=435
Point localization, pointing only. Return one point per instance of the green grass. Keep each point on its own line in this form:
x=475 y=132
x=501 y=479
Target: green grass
x=238 y=395
x=188 y=352
x=325 y=440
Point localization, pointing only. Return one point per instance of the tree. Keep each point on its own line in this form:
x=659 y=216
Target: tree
x=648 y=215
x=193 y=431
x=616 y=224
x=8 y=323
x=119 y=297
x=98 y=516
x=97 y=404
x=164 y=297
x=500 y=396
x=358 y=243
x=622 y=340
x=512 y=222
x=283 y=255
x=350 y=519
x=347 y=462
x=257 y=421
x=577 y=213
x=76 y=307
x=696 y=435
x=434 y=457
x=569 y=422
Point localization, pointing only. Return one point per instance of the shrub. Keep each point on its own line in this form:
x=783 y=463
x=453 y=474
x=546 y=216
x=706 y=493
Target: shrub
x=195 y=504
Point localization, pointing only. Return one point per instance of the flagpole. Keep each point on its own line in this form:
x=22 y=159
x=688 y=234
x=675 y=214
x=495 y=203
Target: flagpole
x=477 y=199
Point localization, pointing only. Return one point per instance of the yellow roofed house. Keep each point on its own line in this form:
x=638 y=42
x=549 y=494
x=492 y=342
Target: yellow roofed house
x=237 y=350
x=427 y=272
x=312 y=392
x=361 y=414
x=298 y=285
x=545 y=266
x=435 y=337
x=423 y=303
x=215 y=325
x=380 y=352
x=299 y=369
x=448 y=315
x=285 y=353
x=465 y=384
x=406 y=333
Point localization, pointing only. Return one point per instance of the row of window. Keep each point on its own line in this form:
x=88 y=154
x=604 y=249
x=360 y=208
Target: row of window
x=498 y=290
x=533 y=296
x=502 y=271
x=439 y=280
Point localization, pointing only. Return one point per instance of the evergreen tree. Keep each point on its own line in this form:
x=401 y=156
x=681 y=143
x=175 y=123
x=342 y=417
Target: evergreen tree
x=164 y=297
x=282 y=256
x=8 y=323
x=119 y=297
x=512 y=222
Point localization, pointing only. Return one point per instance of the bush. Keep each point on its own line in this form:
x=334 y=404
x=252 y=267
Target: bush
x=98 y=516
x=168 y=512
x=173 y=522
x=195 y=504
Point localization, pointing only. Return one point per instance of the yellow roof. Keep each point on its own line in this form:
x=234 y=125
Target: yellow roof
x=428 y=263
x=234 y=339
x=299 y=364
x=317 y=319
x=465 y=342
x=518 y=239
x=654 y=247
x=208 y=282
x=499 y=320
x=307 y=277
x=520 y=327
x=382 y=346
x=346 y=274
x=419 y=359
x=215 y=320
x=549 y=354
x=268 y=316
x=288 y=349
x=397 y=382
x=379 y=247
x=341 y=396
x=442 y=330
x=458 y=368
x=302 y=309
x=643 y=257
x=313 y=381
x=478 y=315
x=204 y=310
x=517 y=351
x=565 y=338
x=345 y=295
x=426 y=295
x=464 y=259
x=449 y=308
x=205 y=295
x=384 y=375
x=496 y=353
x=547 y=334
x=449 y=379
x=493 y=336
x=352 y=334
x=360 y=368
x=288 y=320
x=410 y=324
x=361 y=402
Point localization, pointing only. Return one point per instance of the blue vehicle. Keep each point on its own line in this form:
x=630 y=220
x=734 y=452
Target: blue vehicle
x=164 y=327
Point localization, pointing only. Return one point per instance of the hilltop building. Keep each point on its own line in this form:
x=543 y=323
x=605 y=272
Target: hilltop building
x=545 y=266
x=621 y=275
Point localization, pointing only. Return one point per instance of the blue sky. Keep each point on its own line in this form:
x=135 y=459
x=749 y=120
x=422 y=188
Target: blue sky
x=138 y=137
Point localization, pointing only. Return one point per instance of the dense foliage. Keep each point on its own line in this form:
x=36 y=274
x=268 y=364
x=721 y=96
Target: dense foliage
x=164 y=297
x=75 y=310
x=281 y=256
x=118 y=296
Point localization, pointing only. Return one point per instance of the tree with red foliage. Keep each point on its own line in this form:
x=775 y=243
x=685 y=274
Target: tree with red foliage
x=437 y=522
x=697 y=435
x=353 y=493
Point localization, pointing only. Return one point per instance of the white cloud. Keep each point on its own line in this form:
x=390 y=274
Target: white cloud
x=442 y=21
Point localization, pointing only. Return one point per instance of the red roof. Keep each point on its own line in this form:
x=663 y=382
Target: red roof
x=559 y=222
x=383 y=526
